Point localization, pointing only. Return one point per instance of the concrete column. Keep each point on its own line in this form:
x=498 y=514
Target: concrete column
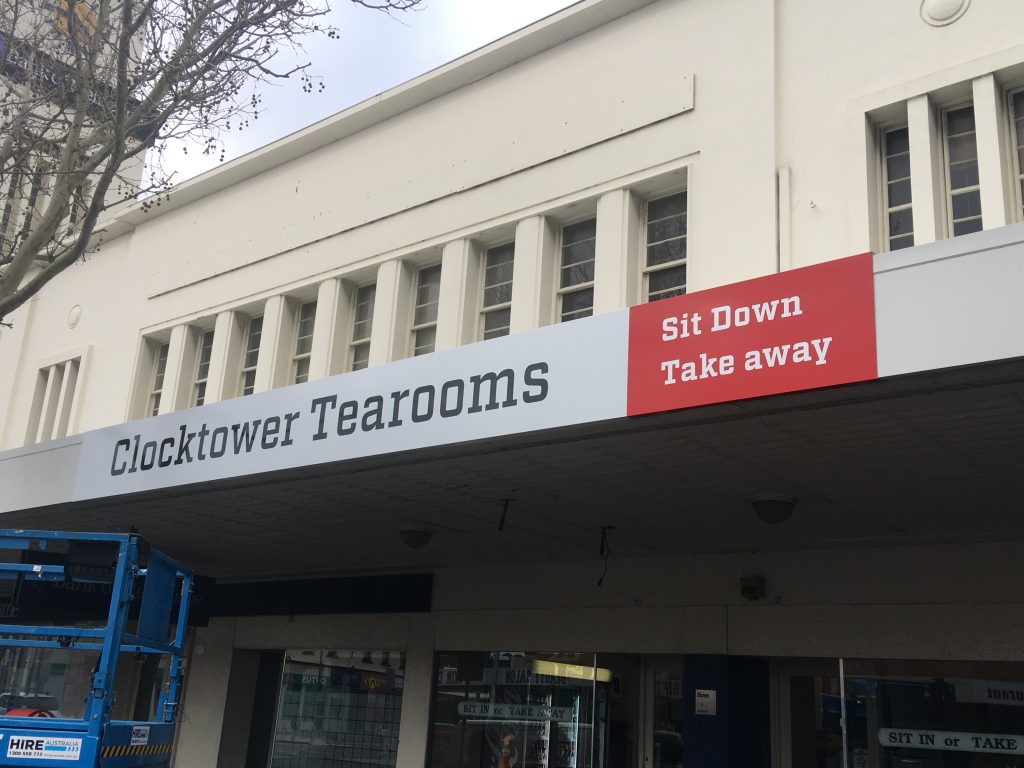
x=533 y=274
x=617 y=251
x=414 y=734
x=333 y=307
x=459 y=301
x=927 y=188
x=993 y=173
x=225 y=357
x=277 y=344
x=206 y=694
x=392 y=310
x=181 y=365
x=862 y=194
x=142 y=380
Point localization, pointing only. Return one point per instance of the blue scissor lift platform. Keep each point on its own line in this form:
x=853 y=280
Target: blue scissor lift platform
x=141 y=615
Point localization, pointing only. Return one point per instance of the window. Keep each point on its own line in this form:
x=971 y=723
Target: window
x=159 y=369
x=576 y=275
x=21 y=199
x=496 y=313
x=252 y=353
x=665 y=257
x=202 y=368
x=424 y=323
x=1017 y=113
x=963 y=192
x=362 y=327
x=12 y=198
x=303 y=342
x=555 y=710
x=339 y=708
x=54 y=399
x=899 y=216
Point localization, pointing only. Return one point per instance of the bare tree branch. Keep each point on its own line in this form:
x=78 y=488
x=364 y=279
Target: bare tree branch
x=87 y=87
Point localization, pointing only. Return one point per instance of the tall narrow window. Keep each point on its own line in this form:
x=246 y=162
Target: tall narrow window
x=303 y=342
x=159 y=369
x=362 y=326
x=1017 y=104
x=576 y=276
x=29 y=214
x=12 y=197
x=899 y=216
x=497 y=296
x=252 y=354
x=424 y=322
x=202 y=368
x=665 y=260
x=964 y=194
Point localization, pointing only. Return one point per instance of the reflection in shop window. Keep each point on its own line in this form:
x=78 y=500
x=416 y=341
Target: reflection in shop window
x=520 y=710
x=338 y=709
x=902 y=714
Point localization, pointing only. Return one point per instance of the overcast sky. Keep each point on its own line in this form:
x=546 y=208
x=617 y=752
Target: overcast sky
x=375 y=52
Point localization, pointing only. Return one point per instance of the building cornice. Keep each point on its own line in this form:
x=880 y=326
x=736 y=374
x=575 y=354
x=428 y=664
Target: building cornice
x=549 y=32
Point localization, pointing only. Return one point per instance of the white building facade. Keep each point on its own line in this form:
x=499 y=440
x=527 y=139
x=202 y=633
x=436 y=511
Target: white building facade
x=384 y=382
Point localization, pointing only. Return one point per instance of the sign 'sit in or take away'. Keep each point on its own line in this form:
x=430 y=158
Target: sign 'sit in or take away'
x=952 y=741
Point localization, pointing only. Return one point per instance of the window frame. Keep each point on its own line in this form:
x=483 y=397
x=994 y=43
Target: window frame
x=300 y=358
x=158 y=375
x=645 y=270
x=195 y=399
x=358 y=345
x=1015 y=137
x=560 y=291
x=485 y=310
x=947 y=181
x=883 y=175
x=245 y=371
x=417 y=328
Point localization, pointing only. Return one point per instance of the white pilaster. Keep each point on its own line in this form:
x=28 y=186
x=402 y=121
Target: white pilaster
x=993 y=175
x=927 y=185
x=225 y=357
x=414 y=736
x=181 y=364
x=457 y=306
x=142 y=379
x=326 y=358
x=391 y=313
x=277 y=344
x=617 y=251
x=198 y=742
x=533 y=274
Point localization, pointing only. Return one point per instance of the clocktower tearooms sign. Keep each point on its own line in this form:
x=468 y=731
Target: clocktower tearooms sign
x=806 y=328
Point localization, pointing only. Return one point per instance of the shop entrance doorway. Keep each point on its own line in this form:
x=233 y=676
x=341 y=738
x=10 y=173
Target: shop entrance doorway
x=556 y=710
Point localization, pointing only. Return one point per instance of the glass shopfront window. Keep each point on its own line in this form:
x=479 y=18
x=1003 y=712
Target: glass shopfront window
x=556 y=710
x=903 y=714
x=338 y=709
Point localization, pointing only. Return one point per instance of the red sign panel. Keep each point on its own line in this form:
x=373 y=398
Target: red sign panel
x=802 y=329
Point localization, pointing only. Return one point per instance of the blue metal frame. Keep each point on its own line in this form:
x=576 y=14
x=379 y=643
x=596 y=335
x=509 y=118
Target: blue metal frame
x=94 y=739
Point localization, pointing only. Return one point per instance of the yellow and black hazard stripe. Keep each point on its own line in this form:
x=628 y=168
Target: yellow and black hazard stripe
x=126 y=750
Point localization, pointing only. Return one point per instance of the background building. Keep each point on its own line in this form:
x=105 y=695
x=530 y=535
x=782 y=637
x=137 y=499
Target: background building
x=596 y=588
